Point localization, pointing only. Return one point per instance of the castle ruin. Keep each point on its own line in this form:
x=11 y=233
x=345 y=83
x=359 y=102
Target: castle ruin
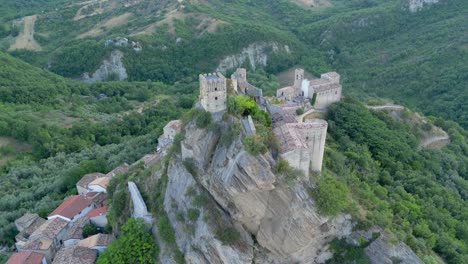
x=302 y=142
x=327 y=89
x=213 y=92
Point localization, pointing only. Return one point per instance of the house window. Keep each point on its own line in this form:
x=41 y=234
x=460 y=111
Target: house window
x=216 y=89
x=307 y=138
x=336 y=92
x=216 y=98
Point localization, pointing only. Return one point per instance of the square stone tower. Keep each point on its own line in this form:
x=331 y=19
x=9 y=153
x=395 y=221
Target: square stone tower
x=213 y=92
x=298 y=78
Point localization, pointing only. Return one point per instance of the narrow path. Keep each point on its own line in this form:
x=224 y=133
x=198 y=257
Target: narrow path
x=386 y=107
x=444 y=140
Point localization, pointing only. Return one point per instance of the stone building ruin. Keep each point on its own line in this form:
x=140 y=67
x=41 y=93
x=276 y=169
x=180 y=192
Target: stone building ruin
x=213 y=92
x=327 y=89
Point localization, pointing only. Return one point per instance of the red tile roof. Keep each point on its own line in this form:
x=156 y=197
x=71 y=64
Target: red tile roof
x=96 y=212
x=26 y=257
x=72 y=206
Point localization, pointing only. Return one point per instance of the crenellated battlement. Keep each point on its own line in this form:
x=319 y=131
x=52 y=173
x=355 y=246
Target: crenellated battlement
x=213 y=92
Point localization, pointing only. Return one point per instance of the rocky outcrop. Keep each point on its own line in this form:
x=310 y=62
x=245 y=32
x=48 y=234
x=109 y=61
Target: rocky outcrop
x=283 y=219
x=383 y=251
x=197 y=239
x=418 y=5
x=256 y=54
x=112 y=68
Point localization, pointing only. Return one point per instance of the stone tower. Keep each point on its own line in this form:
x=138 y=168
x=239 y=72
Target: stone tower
x=303 y=144
x=239 y=80
x=298 y=78
x=314 y=134
x=213 y=92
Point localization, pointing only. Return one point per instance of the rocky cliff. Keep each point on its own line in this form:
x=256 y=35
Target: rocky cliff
x=112 y=68
x=256 y=54
x=276 y=222
x=417 y=5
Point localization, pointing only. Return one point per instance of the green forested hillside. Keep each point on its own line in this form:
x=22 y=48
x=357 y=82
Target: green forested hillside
x=380 y=49
x=420 y=195
x=72 y=129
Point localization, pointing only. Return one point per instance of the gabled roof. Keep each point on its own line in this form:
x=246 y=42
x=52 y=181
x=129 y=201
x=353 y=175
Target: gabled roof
x=26 y=220
x=51 y=228
x=86 y=179
x=26 y=257
x=38 y=244
x=72 y=206
x=103 y=182
x=75 y=255
x=76 y=230
x=26 y=232
x=96 y=212
x=99 y=240
x=290 y=137
x=98 y=199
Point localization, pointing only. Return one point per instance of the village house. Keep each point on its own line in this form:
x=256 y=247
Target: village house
x=99 y=185
x=26 y=224
x=75 y=255
x=73 y=208
x=82 y=184
x=48 y=238
x=74 y=233
x=98 y=199
x=27 y=257
x=98 y=217
x=98 y=242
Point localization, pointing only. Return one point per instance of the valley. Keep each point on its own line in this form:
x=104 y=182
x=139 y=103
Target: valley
x=86 y=86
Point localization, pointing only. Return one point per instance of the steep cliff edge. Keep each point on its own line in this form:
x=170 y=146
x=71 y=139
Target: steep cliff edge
x=272 y=221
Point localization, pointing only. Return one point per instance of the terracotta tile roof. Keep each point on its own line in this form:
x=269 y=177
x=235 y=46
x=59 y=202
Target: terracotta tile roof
x=327 y=87
x=86 y=179
x=96 y=212
x=76 y=230
x=318 y=82
x=102 y=240
x=51 y=228
x=288 y=89
x=38 y=244
x=103 y=182
x=26 y=257
x=72 y=206
x=75 y=255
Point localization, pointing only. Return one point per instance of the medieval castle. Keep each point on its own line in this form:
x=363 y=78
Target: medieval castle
x=302 y=141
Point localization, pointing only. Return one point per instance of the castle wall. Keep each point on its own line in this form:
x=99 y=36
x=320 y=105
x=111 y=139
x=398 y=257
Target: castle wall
x=298 y=159
x=327 y=97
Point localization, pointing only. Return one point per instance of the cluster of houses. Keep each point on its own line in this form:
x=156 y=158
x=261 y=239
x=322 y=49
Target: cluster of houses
x=59 y=238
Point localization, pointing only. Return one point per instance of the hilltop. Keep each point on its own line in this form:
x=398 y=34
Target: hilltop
x=393 y=49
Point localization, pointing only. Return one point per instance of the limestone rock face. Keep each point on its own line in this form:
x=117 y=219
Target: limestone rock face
x=256 y=54
x=417 y=5
x=197 y=239
x=382 y=251
x=112 y=67
x=284 y=219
